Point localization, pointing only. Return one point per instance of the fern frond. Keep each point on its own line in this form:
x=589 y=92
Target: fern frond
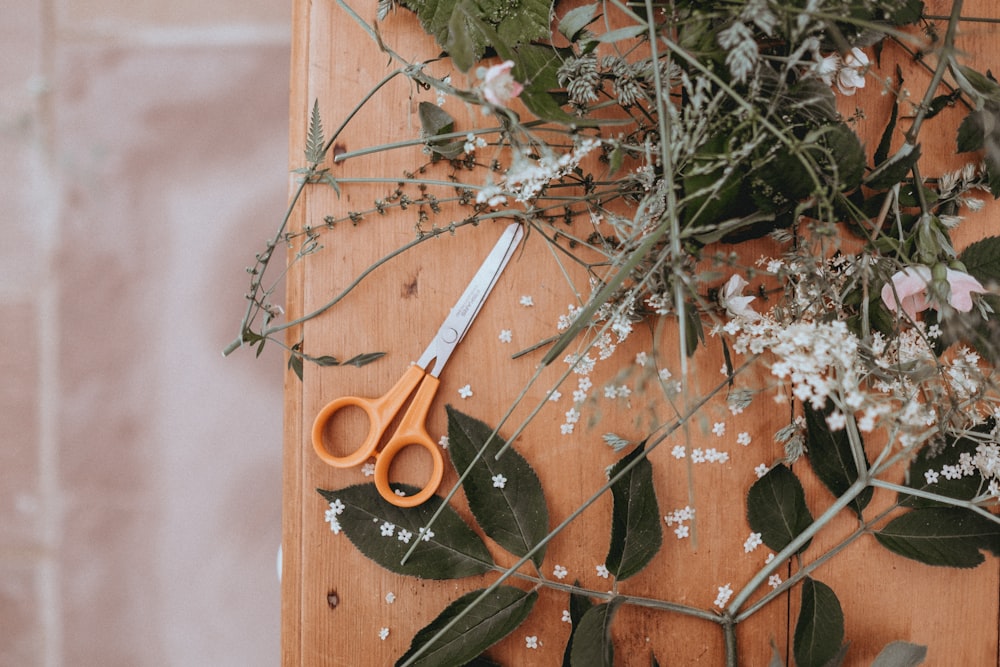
x=315 y=144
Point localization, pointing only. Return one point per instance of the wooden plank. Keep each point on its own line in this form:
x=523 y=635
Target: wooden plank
x=334 y=600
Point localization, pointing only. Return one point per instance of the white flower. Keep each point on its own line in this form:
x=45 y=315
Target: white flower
x=387 y=529
x=566 y=618
x=719 y=428
x=499 y=86
x=383 y=634
x=602 y=571
x=559 y=572
x=752 y=542
x=678 y=452
x=390 y=597
x=852 y=74
x=465 y=392
x=681 y=532
x=774 y=580
x=443 y=442
x=531 y=641
x=527 y=301
x=760 y=470
x=731 y=298
x=499 y=481
x=505 y=336
x=725 y=592
x=404 y=536
x=368 y=469
x=743 y=439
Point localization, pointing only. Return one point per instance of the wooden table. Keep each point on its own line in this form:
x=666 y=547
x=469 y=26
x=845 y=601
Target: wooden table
x=334 y=599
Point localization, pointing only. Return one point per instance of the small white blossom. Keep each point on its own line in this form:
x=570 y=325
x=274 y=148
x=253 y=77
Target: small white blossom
x=505 y=336
x=404 y=536
x=443 y=442
x=678 y=452
x=566 y=618
x=555 y=395
x=725 y=592
x=752 y=542
x=774 y=580
x=383 y=634
x=743 y=439
x=527 y=301
x=719 y=428
x=566 y=429
x=387 y=529
x=425 y=534
x=499 y=481
x=368 y=469
x=602 y=571
x=465 y=392
x=760 y=470
x=559 y=572
x=390 y=597
x=681 y=532
x=531 y=641
x=641 y=359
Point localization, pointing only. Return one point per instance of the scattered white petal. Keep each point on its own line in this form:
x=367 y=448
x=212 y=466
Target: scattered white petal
x=566 y=618
x=641 y=359
x=506 y=336
x=566 y=429
x=752 y=542
x=443 y=442
x=527 y=301
x=390 y=597
x=383 y=634
x=725 y=592
x=465 y=392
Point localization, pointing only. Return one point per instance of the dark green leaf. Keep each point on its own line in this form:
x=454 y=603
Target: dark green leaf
x=575 y=20
x=315 y=143
x=927 y=459
x=901 y=654
x=295 y=363
x=482 y=661
x=513 y=513
x=636 y=534
x=578 y=606
x=895 y=169
x=982 y=259
x=452 y=551
x=881 y=153
x=831 y=457
x=819 y=631
x=592 y=646
x=971 y=132
x=434 y=120
x=776 y=508
x=325 y=360
x=483 y=625
x=949 y=536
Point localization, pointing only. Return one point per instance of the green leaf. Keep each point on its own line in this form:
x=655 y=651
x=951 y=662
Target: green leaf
x=458 y=25
x=831 y=456
x=483 y=625
x=982 y=259
x=363 y=359
x=576 y=20
x=949 y=536
x=901 y=654
x=295 y=364
x=963 y=488
x=636 y=534
x=819 y=631
x=592 y=645
x=579 y=605
x=514 y=514
x=776 y=508
x=628 y=32
x=452 y=551
x=435 y=121
x=971 y=132
x=315 y=143
x=895 y=169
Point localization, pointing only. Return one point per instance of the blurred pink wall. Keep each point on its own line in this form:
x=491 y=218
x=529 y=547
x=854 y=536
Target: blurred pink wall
x=143 y=160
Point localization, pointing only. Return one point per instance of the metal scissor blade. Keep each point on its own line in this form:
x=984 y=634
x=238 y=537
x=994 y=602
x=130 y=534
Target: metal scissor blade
x=465 y=310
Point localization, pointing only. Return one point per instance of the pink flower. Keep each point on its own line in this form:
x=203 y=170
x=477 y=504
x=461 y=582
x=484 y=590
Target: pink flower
x=499 y=87
x=909 y=286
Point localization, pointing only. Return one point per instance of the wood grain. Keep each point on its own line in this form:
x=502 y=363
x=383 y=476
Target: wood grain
x=334 y=599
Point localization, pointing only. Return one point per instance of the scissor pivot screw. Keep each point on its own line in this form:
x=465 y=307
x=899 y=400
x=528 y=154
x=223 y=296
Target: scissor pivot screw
x=449 y=335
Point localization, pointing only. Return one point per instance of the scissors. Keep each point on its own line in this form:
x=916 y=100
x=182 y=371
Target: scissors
x=412 y=429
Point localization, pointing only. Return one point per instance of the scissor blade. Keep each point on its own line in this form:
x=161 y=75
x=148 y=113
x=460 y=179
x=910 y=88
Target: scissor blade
x=465 y=310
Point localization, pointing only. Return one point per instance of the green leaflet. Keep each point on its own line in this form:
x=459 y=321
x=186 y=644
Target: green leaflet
x=452 y=551
x=819 y=631
x=579 y=605
x=513 y=512
x=435 y=121
x=636 y=534
x=831 y=458
x=482 y=625
x=950 y=536
x=900 y=654
x=315 y=143
x=592 y=645
x=776 y=508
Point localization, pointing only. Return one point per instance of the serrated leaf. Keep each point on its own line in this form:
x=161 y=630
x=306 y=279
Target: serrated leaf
x=315 y=143
x=636 y=534
x=982 y=259
x=949 y=536
x=819 y=631
x=576 y=20
x=514 y=512
x=971 y=133
x=776 y=508
x=592 y=645
x=901 y=654
x=452 y=551
x=486 y=623
x=963 y=488
x=831 y=457
x=579 y=605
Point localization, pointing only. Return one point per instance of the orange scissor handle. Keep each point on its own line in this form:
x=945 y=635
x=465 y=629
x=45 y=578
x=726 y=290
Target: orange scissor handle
x=380 y=412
